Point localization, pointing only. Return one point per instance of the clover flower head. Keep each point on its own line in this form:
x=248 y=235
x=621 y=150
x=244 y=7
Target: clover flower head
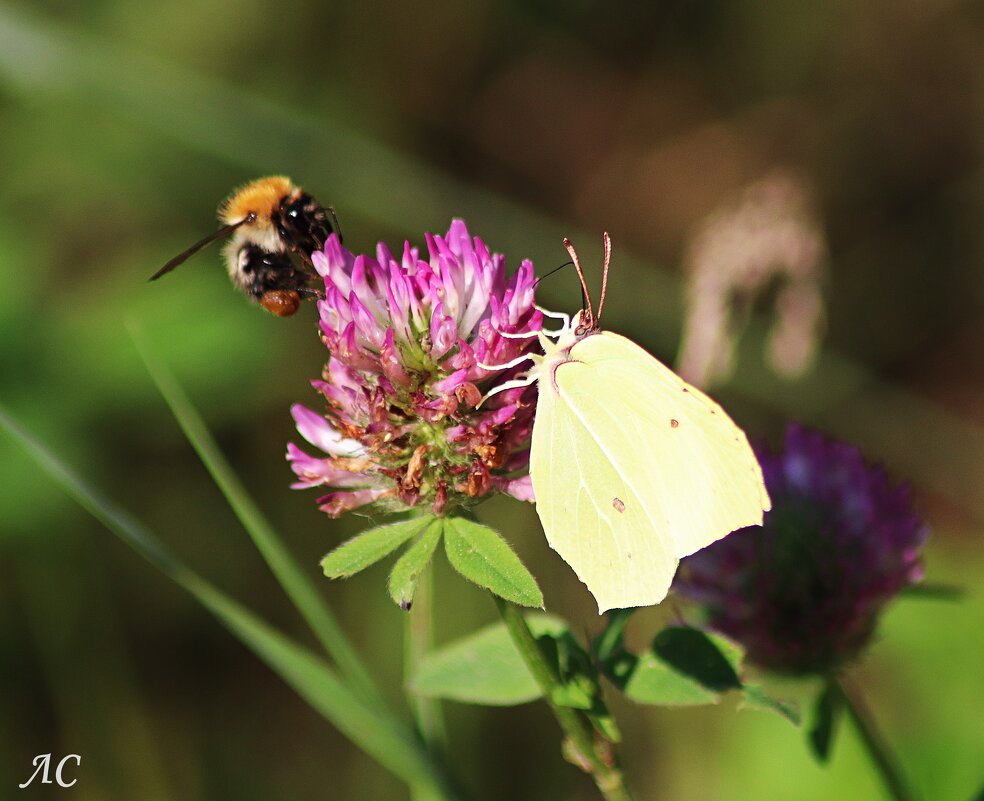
x=408 y=335
x=803 y=592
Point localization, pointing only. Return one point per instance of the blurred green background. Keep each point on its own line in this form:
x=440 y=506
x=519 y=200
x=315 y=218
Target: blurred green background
x=124 y=124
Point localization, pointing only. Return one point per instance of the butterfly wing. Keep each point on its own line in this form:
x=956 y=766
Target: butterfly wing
x=633 y=469
x=591 y=515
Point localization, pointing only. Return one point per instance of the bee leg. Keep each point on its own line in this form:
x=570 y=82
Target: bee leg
x=310 y=292
x=272 y=280
x=336 y=225
x=280 y=302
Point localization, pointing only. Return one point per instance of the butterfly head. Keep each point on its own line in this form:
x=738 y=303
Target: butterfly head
x=588 y=320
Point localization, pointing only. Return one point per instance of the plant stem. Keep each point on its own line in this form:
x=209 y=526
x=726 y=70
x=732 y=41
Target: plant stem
x=599 y=762
x=874 y=743
x=418 y=641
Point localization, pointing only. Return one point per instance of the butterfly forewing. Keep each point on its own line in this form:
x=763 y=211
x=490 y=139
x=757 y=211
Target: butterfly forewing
x=592 y=516
x=629 y=459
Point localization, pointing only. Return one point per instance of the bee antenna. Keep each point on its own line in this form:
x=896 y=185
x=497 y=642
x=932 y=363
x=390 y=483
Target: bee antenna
x=225 y=230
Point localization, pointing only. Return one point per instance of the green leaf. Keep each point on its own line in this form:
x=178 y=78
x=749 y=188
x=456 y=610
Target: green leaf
x=479 y=554
x=650 y=680
x=756 y=698
x=826 y=714
x=685 y=667
x=710 y=660
x=379 y=733
x=370 y=546
x=403 y=579
x=484 y=667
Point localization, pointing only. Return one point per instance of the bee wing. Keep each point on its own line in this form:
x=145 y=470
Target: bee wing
x=225 y=230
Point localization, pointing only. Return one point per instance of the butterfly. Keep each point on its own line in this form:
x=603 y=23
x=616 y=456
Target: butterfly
x=632 y=467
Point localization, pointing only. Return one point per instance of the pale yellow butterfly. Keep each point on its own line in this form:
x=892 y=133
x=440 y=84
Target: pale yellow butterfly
x=632 y=468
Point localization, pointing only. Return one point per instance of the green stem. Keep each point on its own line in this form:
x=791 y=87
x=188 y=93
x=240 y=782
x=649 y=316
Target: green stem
x=418 y=642
x=598 y=761
x=877 y=749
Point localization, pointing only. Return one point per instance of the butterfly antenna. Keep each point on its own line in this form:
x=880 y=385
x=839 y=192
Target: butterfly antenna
x=604 y=273
x=589 y=321
x=555 y=269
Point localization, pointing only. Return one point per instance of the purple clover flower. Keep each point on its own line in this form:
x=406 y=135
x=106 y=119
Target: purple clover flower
x=403 y=382
x=803 y=592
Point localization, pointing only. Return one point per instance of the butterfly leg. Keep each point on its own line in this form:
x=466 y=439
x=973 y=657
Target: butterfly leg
x=523 y=380
x=555 y=316
x=542 y=332
x=525 y=335
x=507 y=365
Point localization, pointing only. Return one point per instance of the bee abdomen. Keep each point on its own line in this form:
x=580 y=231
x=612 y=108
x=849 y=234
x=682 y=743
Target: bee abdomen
x=259 y=271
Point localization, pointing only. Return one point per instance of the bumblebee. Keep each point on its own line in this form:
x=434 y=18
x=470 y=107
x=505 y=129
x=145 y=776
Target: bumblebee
x=273 y=227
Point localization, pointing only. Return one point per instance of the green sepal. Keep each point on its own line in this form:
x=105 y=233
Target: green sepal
x=481 y=555
x=611 y=642
x=580 y=688
x=934 y=591
x=409 y=567
x=574 y=694
x=367 y=548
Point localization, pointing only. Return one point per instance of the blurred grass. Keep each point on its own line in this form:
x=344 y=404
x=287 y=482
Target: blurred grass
x=123 y=126
x=383 y=735
x=293 y=580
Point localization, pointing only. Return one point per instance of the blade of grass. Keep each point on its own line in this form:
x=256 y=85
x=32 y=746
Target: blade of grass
x=295 y=582
x=388 y=740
